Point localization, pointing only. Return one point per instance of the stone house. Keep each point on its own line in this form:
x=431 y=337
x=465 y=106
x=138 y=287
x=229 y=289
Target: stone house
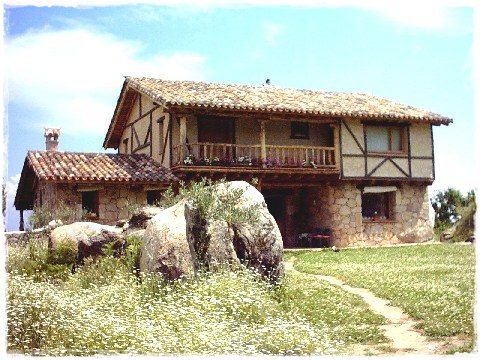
x=96 y=187
x=355 y=164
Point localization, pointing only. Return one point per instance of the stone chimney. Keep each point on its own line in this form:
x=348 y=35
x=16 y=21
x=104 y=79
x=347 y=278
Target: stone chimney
x=51 y=139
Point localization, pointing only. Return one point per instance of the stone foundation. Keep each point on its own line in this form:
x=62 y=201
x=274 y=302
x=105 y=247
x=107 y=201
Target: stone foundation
x=339 y=208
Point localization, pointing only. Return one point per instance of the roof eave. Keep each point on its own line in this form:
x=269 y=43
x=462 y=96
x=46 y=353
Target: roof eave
x=108 y=142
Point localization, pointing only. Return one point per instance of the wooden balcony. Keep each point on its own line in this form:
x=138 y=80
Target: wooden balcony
x=243 y=157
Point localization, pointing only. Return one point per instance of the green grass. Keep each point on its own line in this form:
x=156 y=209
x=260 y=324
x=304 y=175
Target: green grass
x=345 y=315
x=432 y=283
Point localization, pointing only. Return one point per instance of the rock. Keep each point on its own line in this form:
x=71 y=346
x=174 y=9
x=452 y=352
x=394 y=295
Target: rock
x=96 y=243
x=258 y=244
x=54 y=224
x=79 y=240
x=121 y=223
x=210 y=242
x=446 y=236
x=137 y=233
x=470 y=239
x=140 y=217
x=165 y=249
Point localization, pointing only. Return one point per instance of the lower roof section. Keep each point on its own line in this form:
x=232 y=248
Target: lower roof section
x=76 y=167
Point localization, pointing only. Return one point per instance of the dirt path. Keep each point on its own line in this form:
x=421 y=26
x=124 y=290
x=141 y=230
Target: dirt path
x=400 y=328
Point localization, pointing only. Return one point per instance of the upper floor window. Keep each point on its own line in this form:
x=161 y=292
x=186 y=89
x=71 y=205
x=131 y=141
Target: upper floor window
x=385 y=138
x=299 y=130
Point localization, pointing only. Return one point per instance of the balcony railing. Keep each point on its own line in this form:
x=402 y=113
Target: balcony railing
x=223 y=155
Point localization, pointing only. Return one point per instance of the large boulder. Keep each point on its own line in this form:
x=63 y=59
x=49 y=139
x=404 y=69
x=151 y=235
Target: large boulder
x=165 y=249
x=73 y=242
x=257 y=244
x=141 y=216
x=210 y=241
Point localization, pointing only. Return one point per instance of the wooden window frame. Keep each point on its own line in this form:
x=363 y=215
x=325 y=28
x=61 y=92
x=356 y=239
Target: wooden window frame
x=386 y=200
x=299 y=130
x=391 y=128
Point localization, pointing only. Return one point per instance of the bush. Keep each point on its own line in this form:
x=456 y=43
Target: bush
x=64 y=253
x=41 y=216
x=32 y=259
x=215 y=200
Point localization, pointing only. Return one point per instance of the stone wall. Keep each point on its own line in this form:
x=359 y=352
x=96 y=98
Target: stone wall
x=115 y=201
x=339 y=207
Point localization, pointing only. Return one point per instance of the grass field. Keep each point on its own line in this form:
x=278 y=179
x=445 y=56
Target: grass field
x=106 y=308
x=432 y=283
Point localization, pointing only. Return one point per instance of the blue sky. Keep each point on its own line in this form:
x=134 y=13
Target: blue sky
x=64 y=66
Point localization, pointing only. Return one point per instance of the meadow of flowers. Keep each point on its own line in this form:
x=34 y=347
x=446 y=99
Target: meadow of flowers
x=106 y=307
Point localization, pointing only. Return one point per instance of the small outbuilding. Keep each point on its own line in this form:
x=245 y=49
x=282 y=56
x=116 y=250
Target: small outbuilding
x=97 y=186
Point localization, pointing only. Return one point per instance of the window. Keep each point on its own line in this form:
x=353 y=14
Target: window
x=299 y=130
x=378 y=206
x=385 y=138
x=90 y=202
x=153 y=197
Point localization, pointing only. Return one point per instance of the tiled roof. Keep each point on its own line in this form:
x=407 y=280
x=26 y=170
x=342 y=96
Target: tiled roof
x=274 y=99
x=74 y=166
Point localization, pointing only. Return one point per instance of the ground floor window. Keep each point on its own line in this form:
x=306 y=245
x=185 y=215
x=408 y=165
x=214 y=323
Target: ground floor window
x=154 y=197
x=90 y=203
x=378 y=206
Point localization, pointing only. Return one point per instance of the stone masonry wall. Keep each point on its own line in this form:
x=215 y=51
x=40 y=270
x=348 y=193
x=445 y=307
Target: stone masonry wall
x=115 y=201
x=339 y=207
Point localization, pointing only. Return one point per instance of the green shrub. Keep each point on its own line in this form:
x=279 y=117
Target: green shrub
x=41 y=216
x=32 y=259
x=64 y=253
x=212 y=203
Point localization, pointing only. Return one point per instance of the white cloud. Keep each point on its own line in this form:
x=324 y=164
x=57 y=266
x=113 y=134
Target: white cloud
x=426 y=14
x=74 y=76
x=272 y=31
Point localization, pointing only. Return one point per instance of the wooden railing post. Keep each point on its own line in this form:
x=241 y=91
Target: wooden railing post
x=336 y=144
x=183 y=138
x=263 y=149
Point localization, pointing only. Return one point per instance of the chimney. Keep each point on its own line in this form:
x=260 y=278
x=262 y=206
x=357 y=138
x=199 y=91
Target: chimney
x=51 y=139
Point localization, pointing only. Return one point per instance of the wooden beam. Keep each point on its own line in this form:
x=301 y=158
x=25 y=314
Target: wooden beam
x=259 y=184
x=22 y=223
x=263 y=149
x=336 y=144
x=183 y=137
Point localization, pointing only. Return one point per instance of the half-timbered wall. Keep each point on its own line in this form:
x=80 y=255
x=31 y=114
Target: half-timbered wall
x=415 y=162
x=144 y=131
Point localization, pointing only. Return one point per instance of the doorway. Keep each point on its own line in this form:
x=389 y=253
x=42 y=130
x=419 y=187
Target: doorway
x=216 y=130
x=276 y=204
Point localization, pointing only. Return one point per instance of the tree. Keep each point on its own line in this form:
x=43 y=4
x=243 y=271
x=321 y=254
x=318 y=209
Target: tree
x=447 y=205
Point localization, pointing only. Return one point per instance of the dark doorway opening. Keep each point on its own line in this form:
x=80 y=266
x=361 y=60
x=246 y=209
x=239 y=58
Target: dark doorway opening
x=90 y=202
x=276 y=204
x=154 y=197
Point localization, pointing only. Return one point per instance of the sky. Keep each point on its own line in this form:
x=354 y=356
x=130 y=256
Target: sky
x=64 y=66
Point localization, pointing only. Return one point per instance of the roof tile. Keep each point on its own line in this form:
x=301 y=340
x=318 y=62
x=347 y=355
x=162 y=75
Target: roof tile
x=275 y=99
x=69 y=166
